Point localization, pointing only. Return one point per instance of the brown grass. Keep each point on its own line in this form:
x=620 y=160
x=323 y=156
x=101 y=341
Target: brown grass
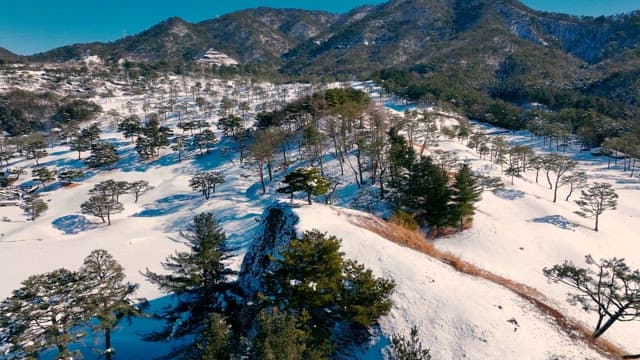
x=414 y=240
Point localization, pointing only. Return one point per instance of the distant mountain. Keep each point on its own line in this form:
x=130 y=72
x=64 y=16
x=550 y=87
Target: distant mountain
x=252 y=36
x=475 y=41
x=8 y=56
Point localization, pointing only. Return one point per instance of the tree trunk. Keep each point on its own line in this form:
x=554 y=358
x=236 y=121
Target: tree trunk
x=555 y=188
x=108 y=218
x=264 y=189
x=597 y=219
x=107 y=343
x=309 y=198
x=609 y=322
x=570 y=192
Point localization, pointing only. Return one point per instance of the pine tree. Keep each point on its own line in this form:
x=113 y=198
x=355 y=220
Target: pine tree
x=215 y=341
x=594 y=201
x=101 y=206
x=466 y=192
x=560 y=165
x=67 y=176
x=80 y=144
x=206 y=182
x=111 y=188
x=407 y=349
x=198 y=278
x=308 y=180
x=426 y=194
x=130 y=126
x=313 y=280
x=43 y=175
x=44 y=313
x=33 y=206
x=139 y=187
x=575 y=180
x=110 y=299
x=279 y=336
x=102 y=154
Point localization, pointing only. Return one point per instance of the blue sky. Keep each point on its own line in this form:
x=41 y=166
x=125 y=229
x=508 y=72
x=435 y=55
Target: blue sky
x=29 y=26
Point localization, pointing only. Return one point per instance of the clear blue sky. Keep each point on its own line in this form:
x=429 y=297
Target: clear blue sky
x=29 y=26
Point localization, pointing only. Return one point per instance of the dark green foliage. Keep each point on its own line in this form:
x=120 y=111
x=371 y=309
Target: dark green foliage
x=111 y=298
x=308 y=180
x=230 y=125
x=102 y=154
x=152 y=138
x=51 y=310
x=314 y=281
x=465 y=193
x=401 y=157
x=67 y=176
x=279 y=336
x=43 y=175
x=33 y=206
x=43 y=314
x=130 y=126
x=426 y=194
x=101 y=206
x=215 y=341
x=198 y=277
x=408 y=349
x=23 y=112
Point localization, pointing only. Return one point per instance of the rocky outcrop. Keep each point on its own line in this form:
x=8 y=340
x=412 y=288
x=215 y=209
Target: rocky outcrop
x=274 y=233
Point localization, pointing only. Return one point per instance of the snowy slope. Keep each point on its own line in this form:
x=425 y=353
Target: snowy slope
x=458 y=316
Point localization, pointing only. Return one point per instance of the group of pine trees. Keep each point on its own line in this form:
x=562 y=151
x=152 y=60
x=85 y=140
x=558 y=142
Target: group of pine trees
x=105 y=197
x=312 y=303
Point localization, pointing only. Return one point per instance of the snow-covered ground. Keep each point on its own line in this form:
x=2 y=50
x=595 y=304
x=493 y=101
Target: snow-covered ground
x=516 y=233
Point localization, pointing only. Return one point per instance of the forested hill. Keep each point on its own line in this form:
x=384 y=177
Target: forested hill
x=8 y=56
x=496 y=48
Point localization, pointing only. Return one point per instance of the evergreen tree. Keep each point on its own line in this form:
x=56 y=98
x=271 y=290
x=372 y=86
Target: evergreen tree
x=426 y=194
x=101 y=206
x=110 y=299
x=43 y=175
x=594 y=201
x=102 y=154
x=130 y=126
x=111 y=188
x=575 y=180
x=466 y=192
x=180 y=143
x=315 y=282
x=308 y=180
x=80 y=144
x=205 y=140
x=215 y=341
x=44 y=313
x=401 y=158
x=67 y=176
x=33 y=206
x=206 y=182
x=407 y=349
x=139 y=187
x=198 y=278
x=279 y=336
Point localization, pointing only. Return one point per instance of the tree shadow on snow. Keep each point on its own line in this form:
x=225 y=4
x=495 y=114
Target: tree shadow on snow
x=168 y=205
x=557 y=221
x=509 y=194
x=73 y=224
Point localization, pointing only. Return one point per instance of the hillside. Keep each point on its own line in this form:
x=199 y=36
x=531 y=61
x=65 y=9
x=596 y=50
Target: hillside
x=251 y=36
x=8 y=56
